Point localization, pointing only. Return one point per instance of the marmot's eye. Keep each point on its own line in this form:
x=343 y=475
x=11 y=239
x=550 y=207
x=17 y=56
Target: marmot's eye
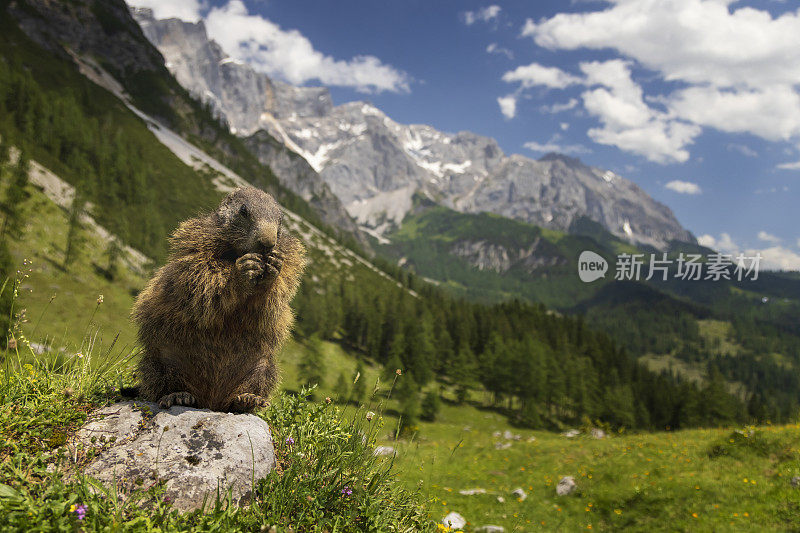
x=244 y=211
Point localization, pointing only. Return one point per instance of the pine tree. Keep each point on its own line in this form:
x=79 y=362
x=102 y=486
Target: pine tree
x=342 y=389
x=463 y=372
x=359 y=384
x=75 y=231
x=113 y=254
x=15 y=194
x=408 y=393
x=312 y=364
x=430 y=406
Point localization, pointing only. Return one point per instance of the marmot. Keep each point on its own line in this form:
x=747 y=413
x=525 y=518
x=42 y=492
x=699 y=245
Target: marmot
x=212 y=320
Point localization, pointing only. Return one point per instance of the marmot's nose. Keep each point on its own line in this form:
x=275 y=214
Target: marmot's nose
x=267 y=238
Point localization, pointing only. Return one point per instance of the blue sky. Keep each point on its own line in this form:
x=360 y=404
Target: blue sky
x=697 y=101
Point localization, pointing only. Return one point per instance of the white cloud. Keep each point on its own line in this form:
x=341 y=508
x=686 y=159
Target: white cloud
x=764 y=236
x=485 y=14
x=790 y=166
x=684 y=187
x=738 y=66
x=564 y=126
x=627 y=121
x=772 y=258
x=508 y=105
x=772 y=113
x=188 y=10
x=553 y=145
x=742 y=149
x=536 y=74
x=288 y=54
x=697 y=41
x=558 y=108
x=494 y=48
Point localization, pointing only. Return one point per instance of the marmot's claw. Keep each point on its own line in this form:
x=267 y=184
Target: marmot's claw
x=249 y=402
x=273 y=265
x=251 y=266
x=177 y=398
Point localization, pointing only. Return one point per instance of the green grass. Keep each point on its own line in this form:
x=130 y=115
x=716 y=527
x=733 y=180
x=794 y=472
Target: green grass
x=674 y=481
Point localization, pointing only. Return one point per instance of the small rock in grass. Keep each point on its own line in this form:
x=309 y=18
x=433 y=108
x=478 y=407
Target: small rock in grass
x=496 y=434
x=571 y=433
x=598 y=433
x=519 y=493
x=454 y=520
x=383 y=450
x=531 y=439
x=566 y=486
x=490 y=529
x=472 y=492
x=502 y=445
x=795 y=481
x=500 y=499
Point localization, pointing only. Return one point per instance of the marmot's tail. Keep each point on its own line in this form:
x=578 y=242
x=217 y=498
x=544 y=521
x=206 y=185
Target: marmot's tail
x=130 y=392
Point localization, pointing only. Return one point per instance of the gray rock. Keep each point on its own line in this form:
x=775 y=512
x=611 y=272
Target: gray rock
x=566 y=486
x=500 y=499
x=490 y=529
x=502 y=445
x=598 y=433
x=520 y=494
x=454 y=520
x=795 y=481
x=38 y=348
x=383 y=450
x=572 y=433
x=194 y=451
x=472 y=492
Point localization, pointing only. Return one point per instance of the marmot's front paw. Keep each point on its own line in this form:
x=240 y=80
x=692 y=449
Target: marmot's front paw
x=273 y=265
x=177 y=398
x=250 y=267
x=247 y=402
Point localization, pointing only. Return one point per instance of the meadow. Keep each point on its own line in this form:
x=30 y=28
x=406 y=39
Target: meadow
x=723 y=479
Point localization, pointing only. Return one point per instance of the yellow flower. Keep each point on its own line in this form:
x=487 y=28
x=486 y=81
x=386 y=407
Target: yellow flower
x=618 y=511
x=72 y=508
x=694 y=515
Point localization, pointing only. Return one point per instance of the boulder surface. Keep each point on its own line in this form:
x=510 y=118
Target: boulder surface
x=194 y=452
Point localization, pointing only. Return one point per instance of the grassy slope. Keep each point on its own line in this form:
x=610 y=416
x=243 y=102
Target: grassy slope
x=663 y=481
x=444 y=458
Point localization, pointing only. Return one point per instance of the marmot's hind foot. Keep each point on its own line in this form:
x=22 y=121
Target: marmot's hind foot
x=177 y=398
x=245 y=403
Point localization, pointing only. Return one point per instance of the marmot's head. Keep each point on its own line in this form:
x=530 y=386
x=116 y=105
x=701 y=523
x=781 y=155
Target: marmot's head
x=251 y=221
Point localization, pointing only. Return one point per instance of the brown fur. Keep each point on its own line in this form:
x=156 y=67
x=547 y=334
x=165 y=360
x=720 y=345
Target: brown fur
x=212 y=320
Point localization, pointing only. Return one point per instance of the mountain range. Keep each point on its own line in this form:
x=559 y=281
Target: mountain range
x=374 y=165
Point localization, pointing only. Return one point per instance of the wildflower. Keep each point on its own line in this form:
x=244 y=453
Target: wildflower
x=347 y=491
x=694 y=515
x=618 y=511
x=370 y=415
x=289 y=441
x=398 y=372
x=328 y=399
x=99 y=299
x=79 y=510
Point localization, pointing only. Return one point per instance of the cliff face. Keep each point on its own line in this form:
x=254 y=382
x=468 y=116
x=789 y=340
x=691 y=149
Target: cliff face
x=374 y=165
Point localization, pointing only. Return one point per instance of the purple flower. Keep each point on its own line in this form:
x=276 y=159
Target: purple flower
x=347 y=491
x=289 y=441
x=80 y=511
